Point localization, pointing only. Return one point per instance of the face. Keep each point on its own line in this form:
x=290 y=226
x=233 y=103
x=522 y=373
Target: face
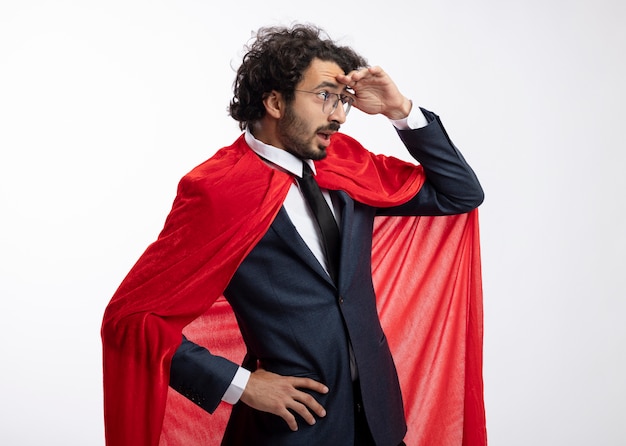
x=304 y=129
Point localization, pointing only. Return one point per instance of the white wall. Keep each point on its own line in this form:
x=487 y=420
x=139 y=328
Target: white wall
x=104 y=105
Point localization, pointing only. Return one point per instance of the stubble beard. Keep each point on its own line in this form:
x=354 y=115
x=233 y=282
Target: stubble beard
x=293 y=130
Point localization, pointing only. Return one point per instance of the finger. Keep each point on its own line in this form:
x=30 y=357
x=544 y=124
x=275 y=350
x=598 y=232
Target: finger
x=350 y=79
x=289 y=418
x=350 y=74
x=375 y=71
x=303 y=411
x=311 y=404
x=345 y=80
x=365 y=73
x=308 y=383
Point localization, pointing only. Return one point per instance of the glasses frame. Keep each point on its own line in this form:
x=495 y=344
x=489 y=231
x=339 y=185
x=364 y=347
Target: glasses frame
x=346 y=100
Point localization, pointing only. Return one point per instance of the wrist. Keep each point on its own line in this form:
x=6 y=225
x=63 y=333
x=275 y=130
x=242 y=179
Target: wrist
x=400 y=112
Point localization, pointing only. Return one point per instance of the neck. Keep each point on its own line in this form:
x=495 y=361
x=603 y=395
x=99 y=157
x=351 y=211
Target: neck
x=266 y=131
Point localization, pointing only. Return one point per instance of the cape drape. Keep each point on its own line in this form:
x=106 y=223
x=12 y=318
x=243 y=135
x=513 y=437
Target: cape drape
x=431 y=312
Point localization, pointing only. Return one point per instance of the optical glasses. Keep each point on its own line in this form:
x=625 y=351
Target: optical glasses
x=328 y=105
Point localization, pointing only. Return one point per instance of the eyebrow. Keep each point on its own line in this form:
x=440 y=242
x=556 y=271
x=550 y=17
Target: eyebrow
x=330 y=85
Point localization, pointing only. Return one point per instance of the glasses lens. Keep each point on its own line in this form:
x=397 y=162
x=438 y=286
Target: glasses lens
x=332 y=101
x=347 y=105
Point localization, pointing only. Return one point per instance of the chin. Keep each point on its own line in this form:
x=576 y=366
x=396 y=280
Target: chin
x=319 y=154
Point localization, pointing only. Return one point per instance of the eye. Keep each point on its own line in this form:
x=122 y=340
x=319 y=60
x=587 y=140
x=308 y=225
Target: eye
x=324 y=95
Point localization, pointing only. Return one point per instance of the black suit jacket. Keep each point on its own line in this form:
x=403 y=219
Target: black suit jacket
x=297 y=322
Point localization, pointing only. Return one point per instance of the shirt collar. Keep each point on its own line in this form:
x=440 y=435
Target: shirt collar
x=278 y=157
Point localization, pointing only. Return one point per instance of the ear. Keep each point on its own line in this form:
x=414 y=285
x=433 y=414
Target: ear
x=274 y=104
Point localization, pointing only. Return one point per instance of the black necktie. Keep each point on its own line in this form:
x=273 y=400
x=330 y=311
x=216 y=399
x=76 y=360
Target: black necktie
x=325 y=219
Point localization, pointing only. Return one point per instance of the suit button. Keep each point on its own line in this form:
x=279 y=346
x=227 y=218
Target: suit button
x=340 y=299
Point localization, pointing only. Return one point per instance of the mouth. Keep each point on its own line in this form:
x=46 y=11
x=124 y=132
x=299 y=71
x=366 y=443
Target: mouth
x=324 y=138
x=325 y=133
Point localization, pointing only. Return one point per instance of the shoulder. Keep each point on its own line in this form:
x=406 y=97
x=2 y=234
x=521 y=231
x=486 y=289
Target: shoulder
x=344 y=146
x=220 y=164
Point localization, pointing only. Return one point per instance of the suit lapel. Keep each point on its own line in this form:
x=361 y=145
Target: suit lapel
x=346 y=266
x=284 y=228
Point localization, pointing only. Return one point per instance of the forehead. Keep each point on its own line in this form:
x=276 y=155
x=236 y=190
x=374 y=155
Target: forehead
x=321 y=73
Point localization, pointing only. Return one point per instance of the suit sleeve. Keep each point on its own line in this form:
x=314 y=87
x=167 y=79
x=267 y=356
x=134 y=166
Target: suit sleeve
x=201 y=376
x=451 y=186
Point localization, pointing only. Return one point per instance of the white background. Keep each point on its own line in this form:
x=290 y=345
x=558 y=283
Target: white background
x=105 y=105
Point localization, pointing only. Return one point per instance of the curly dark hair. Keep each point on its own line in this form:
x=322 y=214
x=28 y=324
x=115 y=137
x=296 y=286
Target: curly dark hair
x=276 y=60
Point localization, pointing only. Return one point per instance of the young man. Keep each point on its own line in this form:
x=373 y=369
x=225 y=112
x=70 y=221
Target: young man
x=294 y=264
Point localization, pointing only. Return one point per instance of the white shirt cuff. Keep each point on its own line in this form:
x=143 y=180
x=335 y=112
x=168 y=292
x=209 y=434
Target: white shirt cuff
x=415 y=120
x=237 y=386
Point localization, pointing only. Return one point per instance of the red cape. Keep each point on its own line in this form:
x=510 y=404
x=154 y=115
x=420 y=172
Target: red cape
x=431 y=312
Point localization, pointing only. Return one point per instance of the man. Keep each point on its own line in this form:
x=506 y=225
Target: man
x=296 y=272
